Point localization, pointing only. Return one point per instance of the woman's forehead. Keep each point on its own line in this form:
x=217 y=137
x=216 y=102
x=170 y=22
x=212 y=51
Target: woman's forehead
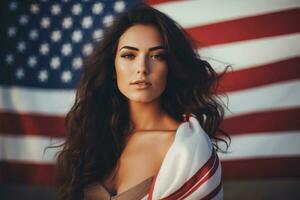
x=141 y=37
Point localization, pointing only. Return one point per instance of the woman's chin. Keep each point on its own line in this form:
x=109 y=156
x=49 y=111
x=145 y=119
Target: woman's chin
x=142 y=99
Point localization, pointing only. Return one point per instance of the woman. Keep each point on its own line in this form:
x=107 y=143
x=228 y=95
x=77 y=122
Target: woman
x=144 y=117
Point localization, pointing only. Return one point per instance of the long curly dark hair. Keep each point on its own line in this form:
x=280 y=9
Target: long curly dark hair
x=98 y=123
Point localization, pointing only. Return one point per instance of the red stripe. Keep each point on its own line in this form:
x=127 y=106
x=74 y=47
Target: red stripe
x=26 y=173
x=269 y=122
x=261 y=168
x=261 y=75
x=192 y=181
x=279 y=23
x=209 y=175
x=202 y=175
x=213 y=193
x=243 y=169
x=32 y=124
x=152 y=188
x=154 y=2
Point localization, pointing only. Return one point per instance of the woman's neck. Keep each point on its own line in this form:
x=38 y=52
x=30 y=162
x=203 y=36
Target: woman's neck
x=146 y=116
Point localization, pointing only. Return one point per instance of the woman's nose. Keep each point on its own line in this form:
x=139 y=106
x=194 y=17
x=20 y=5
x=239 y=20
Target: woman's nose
x=143 y=65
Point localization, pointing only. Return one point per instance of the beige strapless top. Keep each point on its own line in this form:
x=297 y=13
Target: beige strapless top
x=98 y=192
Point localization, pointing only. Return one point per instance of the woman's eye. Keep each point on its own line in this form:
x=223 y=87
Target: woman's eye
x=129 y=56
x=159 y=56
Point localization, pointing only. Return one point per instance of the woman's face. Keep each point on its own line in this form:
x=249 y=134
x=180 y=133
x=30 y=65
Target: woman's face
x=140 y=64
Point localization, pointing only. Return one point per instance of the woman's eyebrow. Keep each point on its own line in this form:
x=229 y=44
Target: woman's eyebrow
x=150 y=49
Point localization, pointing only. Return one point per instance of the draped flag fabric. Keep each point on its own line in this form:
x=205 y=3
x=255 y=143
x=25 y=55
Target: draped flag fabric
x=44 y=42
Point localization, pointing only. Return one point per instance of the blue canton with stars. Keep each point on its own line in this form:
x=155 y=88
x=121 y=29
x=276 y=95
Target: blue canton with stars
x=43 y=43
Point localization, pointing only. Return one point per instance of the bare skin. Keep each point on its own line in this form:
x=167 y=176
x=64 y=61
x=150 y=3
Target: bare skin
x=154 y=129
x=141 y=159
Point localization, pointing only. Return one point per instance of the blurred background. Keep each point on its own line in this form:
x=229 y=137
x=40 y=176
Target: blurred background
x=43 y=43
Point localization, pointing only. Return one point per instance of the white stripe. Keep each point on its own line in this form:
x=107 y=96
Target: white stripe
x=207 y=187
x=212 y=11
x=27 y=148
x=30 y=148
x=281 y=95
x=275 y=144
x=191 y=150
x=42 y=101
x=276 y=96
x=252 y=53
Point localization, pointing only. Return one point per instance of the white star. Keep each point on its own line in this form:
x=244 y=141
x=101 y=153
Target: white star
x=13 y=6
x=45 y=22
x=77 y=9
x=66 y=76
x=67 y=22
x=87 y=22
x=11 y=32
x=43 y=75
x=55 y=9
x=97 y=35
x=32 y=60
x=87 y=49
x=55 y=62
x=77 y=63
x=33 y=34
x=119 y=6
x=56 y=36
x=77 y=36
x=23 y=19
x=66 y=49
x=65 y=1
x=97 y=8
x=34 y=8
x=9 y=59
x=107 y=20
x=20 y=73
x=44 y=48
x=21 y=46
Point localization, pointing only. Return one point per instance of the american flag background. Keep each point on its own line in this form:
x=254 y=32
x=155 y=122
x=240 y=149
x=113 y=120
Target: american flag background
x=44 y=42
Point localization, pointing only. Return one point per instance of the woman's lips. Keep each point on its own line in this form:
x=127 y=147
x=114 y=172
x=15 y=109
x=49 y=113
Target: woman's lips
x=142 y=85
